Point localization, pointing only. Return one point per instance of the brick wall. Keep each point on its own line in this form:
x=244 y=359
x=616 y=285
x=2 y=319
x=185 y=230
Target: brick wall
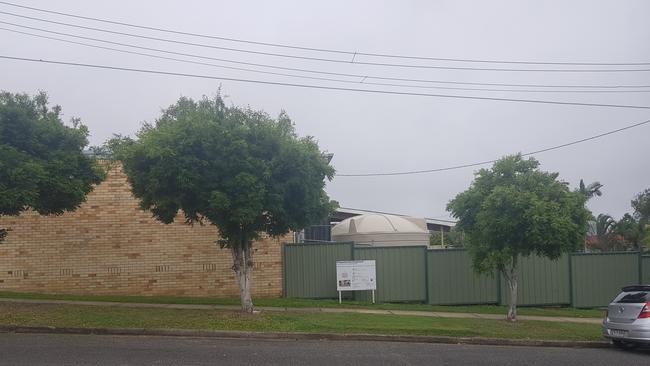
x=110 y=246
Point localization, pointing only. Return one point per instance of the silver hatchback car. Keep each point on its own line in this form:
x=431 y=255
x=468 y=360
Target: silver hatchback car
x=627 y=323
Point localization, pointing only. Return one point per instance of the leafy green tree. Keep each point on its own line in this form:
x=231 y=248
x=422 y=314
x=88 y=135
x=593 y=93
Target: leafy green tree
x=237 y=169
x=42 y=165
x=630 y=228
x=635 y=227
x=641 y=206
x=514 y=210
x=604 y=236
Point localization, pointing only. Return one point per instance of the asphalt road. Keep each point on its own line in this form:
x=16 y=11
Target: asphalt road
x=42 y=349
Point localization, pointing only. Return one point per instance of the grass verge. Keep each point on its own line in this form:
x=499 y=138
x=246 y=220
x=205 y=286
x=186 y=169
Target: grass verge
x=305 y=303
x=117 y=317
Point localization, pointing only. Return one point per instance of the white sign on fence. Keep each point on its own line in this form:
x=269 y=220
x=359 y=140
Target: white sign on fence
x=356 y=276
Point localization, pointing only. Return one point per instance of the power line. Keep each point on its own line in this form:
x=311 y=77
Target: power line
x=454 y=167
x=313 y=77
x=321 y=59
x=350 y=53
x=361 y=77
x=178 y=59
x=322 y=87
x=374 y=91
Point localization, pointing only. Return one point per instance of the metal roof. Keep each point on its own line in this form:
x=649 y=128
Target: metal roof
x=356 y=211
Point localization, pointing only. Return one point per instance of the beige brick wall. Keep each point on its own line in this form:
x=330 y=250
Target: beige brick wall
x=110 y=246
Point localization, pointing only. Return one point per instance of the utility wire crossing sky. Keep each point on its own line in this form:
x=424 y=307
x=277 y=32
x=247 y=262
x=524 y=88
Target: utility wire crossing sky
x=612 y=89
x=367 y=174
x=171 y=73
x=351 y=53
x=590 y=51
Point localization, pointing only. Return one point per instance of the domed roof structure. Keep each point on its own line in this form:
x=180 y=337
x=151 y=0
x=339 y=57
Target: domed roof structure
x=377 y=229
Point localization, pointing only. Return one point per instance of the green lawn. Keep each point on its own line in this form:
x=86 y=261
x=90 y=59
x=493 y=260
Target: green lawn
x=303 y=303
x=154 y=318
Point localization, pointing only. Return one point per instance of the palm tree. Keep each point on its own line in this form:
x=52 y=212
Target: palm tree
x=605 y=224
x=591 y=190
x=608 y=235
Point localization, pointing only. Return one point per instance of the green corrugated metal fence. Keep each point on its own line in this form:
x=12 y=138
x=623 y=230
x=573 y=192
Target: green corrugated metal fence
x=446 y=277
x=310 y=269
x=597 y=278
x=541 y=282
x=401 y=273
x=452 y=280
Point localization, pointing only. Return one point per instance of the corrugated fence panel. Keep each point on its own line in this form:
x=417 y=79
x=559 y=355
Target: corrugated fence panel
x=310 y=269
x=597 y=278
x=541 y=282
x=409 y=273
x=453 y=281
x=401 y=273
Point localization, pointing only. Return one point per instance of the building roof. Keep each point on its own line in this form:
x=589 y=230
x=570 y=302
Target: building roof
x=355 y=211
x=380 y=223
x=378 y=229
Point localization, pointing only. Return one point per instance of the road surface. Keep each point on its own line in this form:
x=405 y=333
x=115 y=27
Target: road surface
x=50 y=349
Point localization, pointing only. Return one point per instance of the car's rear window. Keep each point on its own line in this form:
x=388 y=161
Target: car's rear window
x=635 y=297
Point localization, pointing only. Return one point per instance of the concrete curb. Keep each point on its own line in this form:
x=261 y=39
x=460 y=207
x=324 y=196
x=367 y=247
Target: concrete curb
x=299 y=336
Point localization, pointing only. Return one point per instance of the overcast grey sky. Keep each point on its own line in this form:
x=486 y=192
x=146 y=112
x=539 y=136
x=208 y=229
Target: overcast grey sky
x=373 y=132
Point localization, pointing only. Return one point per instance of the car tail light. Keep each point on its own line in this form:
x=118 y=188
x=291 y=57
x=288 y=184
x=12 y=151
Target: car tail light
x=645 y=312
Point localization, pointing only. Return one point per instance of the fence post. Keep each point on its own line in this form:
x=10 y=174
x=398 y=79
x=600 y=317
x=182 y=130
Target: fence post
x=426 y=275
x=570 y=256
x=498 y=276
x=640 y=260
x=354 y=294
x=284 y=270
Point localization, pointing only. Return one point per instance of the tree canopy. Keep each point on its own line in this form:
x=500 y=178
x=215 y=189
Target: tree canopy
x=42 y=165
x=641 y=205
x=635 y=227
x=603 y=235
x=514 y=210
x=238 y=169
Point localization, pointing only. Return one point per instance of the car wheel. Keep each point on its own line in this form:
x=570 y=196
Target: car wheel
x=624 y=345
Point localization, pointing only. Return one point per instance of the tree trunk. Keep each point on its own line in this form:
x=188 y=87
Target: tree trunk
x=511 y=279
x=512 y=305
x=243 y=267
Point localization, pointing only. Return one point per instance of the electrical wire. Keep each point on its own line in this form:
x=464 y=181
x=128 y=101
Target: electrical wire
x=318 y=78
x=374 y=91
x=360 y=76
x=455 y=167
x=320 y=59
x=322 y=87
x=350 y=53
